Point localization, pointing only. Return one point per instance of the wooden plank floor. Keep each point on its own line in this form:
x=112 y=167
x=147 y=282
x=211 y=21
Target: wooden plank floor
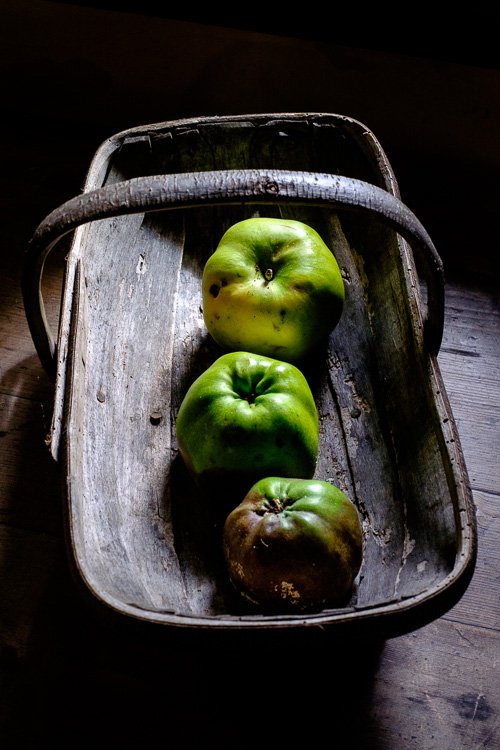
x=68 y=679
x=435 y=688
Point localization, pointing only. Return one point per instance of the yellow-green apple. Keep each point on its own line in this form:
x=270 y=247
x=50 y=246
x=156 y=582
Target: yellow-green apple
x=273 y=287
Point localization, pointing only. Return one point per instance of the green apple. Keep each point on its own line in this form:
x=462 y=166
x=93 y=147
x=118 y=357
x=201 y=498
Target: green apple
x=293 y=545
x=273 y=287
x=245 y=417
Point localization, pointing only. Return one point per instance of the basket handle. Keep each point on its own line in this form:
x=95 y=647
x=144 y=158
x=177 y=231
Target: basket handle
x=186 y=190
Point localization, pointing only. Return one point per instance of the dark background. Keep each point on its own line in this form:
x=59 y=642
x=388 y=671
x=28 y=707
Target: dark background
x=428 y=87
x=468 y=35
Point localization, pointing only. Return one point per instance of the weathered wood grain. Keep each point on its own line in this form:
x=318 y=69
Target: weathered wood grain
x=471 y=353
x=470 y=362
x=453 y=699
x=137 y=530
x=20 y=373
x=479 y=604
x=29 y=485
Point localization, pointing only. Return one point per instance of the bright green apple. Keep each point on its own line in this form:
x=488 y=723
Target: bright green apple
x=272 y=287
x=245 y=417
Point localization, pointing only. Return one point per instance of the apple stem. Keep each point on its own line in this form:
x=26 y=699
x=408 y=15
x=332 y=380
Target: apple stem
x=275 y=505
x=268 y=274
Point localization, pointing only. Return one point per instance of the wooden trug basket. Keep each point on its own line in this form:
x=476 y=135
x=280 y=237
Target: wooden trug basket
x=131 y=339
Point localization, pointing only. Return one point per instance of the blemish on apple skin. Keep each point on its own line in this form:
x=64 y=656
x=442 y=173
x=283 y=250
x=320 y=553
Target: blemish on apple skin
x=214 y=290
x=239 y=571
x=289 y=592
